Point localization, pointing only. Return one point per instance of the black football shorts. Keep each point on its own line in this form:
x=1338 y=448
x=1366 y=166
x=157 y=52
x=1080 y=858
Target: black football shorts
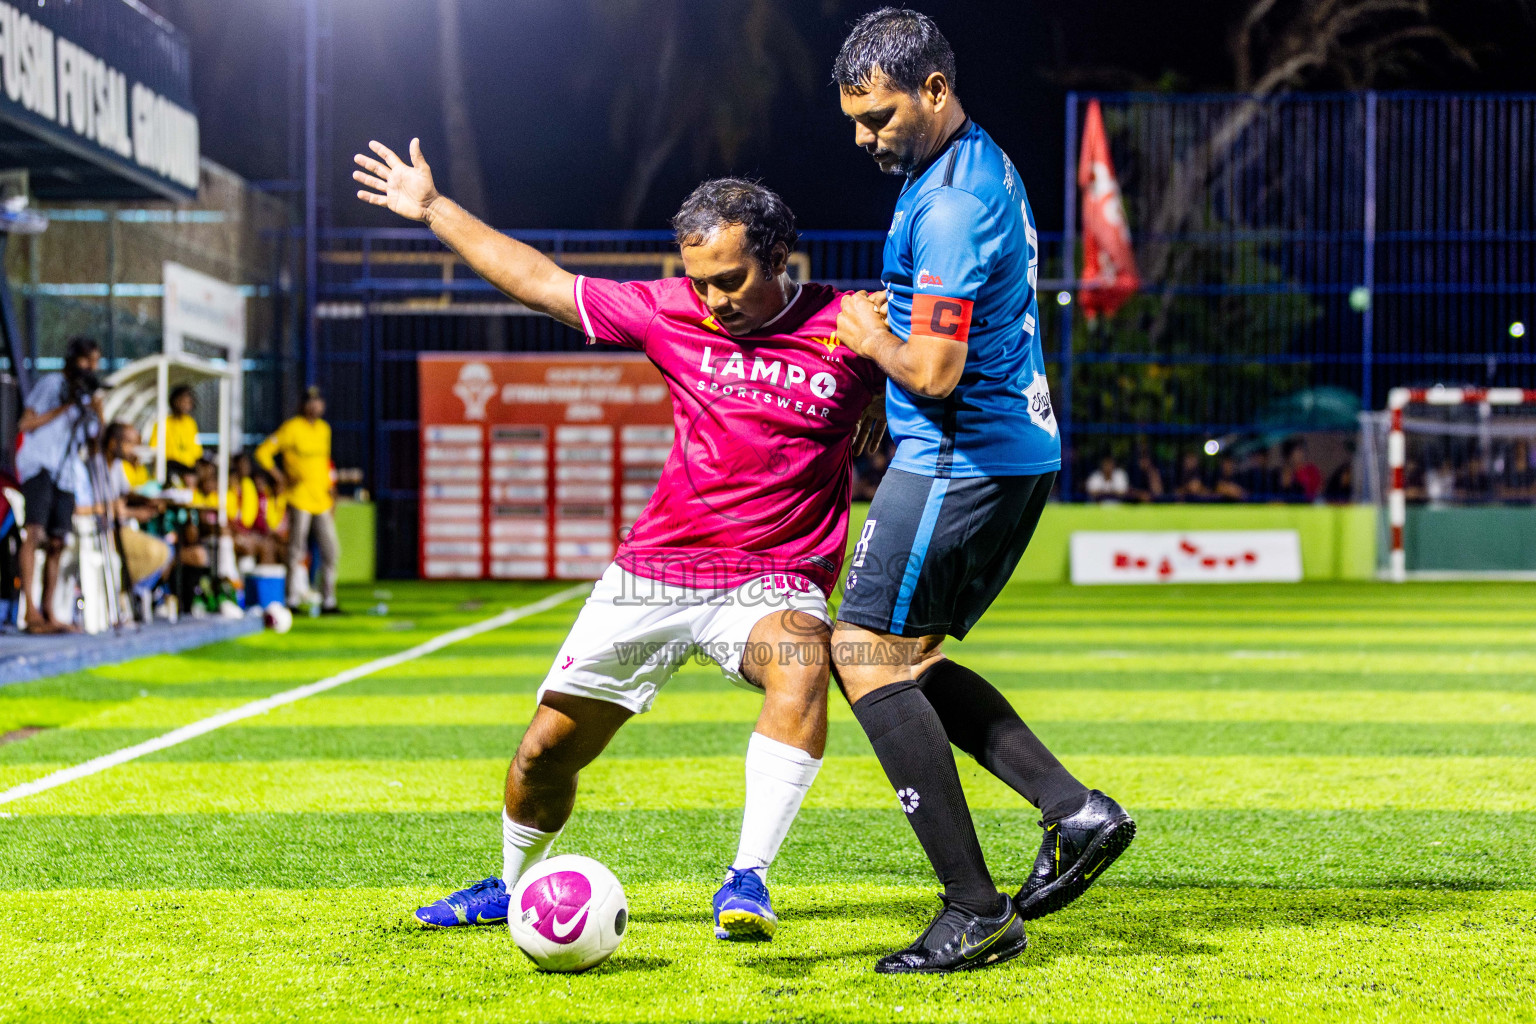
x=936 y=551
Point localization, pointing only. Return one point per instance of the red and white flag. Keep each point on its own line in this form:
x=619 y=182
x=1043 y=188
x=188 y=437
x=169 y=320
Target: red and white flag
x=1109 y=263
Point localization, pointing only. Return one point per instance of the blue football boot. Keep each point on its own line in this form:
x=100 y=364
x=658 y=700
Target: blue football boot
x=743 y=912
x=483 y=902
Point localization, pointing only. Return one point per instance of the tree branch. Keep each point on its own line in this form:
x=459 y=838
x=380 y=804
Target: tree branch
x=1241 y=42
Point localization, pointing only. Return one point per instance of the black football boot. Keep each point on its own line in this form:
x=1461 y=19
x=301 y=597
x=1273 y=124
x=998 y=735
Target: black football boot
x=959 y=940
x=1074 y=854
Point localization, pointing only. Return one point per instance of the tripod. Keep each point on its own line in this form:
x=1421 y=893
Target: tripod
x=108 y=538
x=105 y=499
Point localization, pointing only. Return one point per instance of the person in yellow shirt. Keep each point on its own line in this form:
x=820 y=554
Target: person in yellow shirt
x=144 y=555
x=254 y=511
x=181 y=448
x=242 y=502
x=304 y=444
x=205 y=489
x=135 y=473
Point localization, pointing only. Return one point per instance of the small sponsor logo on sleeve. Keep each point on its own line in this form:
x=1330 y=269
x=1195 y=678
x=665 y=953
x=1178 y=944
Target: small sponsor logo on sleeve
x=927 y=280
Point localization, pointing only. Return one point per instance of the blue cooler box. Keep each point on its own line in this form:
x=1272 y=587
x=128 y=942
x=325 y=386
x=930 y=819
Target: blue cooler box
x=265 y=585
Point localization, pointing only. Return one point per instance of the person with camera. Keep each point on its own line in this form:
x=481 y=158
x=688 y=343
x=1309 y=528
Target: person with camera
x=62 y=413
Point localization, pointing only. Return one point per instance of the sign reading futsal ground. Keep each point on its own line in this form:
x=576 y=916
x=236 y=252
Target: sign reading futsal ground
x=531 y=466
x=101 y=93
x=1208 y=556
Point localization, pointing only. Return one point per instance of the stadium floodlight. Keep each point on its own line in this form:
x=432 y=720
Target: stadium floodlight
x=1517 y=329
x=1212 y=447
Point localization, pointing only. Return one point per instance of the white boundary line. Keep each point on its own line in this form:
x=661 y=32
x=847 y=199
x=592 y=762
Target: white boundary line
x=64 y=776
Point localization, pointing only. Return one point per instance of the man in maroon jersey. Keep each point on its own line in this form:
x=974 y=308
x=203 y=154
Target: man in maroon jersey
x=742 y=541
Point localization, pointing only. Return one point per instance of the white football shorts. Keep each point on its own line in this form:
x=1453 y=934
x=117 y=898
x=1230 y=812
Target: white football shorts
x=634 y=633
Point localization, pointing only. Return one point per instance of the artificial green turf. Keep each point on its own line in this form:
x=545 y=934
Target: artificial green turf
x=1258 y=849
x=1130 y=955
x=707 y=739
x=345 y=707
x=1336 y=788
x=1174 y=782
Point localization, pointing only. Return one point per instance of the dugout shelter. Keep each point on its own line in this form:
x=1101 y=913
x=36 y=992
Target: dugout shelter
x=140 y=394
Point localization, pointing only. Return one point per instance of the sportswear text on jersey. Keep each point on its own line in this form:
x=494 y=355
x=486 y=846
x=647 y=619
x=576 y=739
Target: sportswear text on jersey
x=758 y=477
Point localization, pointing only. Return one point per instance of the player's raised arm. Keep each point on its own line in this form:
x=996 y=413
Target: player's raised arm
x=520 y=271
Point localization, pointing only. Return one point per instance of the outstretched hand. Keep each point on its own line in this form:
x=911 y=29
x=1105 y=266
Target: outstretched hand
x=405 y=188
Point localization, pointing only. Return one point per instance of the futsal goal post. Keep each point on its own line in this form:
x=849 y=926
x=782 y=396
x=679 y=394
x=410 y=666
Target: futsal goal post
x=1460 y=494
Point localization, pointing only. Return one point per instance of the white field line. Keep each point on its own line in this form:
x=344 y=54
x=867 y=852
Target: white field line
x=95 y=765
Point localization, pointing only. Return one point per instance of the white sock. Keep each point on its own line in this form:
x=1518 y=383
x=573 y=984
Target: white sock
x=778 y=777
x=521 y=848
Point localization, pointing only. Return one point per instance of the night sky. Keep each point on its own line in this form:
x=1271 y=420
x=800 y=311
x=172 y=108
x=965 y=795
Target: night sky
x=541 y=86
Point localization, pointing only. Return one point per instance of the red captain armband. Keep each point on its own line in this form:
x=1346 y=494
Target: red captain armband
x=938 y=316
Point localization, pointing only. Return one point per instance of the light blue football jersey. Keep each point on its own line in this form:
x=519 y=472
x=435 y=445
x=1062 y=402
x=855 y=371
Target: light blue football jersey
x=962 y=260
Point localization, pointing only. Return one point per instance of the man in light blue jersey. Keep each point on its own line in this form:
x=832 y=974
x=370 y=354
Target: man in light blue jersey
x=957 y=332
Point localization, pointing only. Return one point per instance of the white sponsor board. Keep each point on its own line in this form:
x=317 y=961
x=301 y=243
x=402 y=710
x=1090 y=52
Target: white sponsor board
x=199 y=308
x=1200 y=556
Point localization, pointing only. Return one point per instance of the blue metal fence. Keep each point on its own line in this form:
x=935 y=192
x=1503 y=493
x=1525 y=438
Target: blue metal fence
x=1290 y=247
x=387 y=295
x=1352 y=242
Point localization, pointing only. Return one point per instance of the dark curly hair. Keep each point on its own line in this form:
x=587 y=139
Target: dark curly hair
x=80 y=347
x=904 y=46
x=724 y=201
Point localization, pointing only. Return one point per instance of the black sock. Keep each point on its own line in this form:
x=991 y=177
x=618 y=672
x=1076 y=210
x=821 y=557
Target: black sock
x=980 y=721
x=909 y=740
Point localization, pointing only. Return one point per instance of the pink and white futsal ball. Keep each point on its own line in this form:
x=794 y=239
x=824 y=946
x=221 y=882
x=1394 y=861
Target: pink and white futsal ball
x=568 y=914
x=277 y=617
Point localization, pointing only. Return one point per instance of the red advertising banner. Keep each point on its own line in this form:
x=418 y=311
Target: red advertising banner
x=531 y=465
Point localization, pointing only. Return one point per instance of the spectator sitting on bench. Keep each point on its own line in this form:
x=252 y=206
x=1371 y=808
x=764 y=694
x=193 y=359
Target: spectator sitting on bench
x=256 y=513
x=1259 y=478
x=182 y=449
x=1300 y=480
x=205 y=485
x=1108 y=484
x=146 y=557
x=1227 y=486
x=1192 y=485
x=1145 y=478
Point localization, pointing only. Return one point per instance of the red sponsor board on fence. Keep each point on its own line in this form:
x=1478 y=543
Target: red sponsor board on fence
x=532 y=465
x=1200 y=556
